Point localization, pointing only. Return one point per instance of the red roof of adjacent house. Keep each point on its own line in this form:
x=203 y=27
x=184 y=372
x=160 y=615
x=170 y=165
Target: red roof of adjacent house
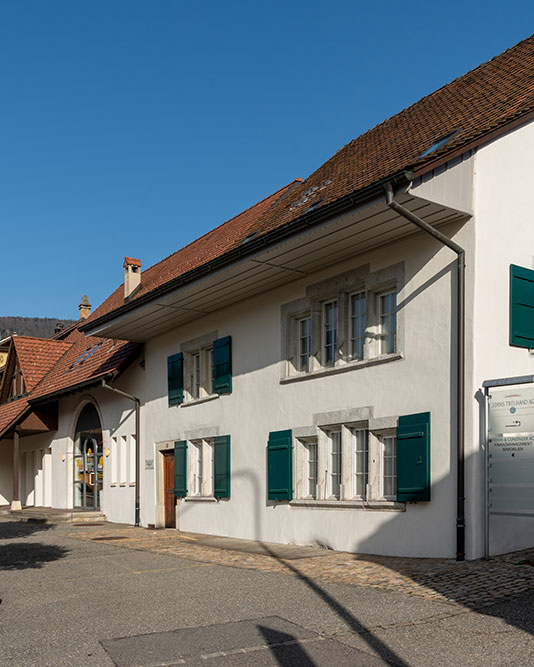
x=87 y=360
x=52 y=367
x=486 y=99
x=10 y=412
x=37 y=356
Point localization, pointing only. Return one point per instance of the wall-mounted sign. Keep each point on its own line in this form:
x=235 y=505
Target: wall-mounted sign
x=511 y=451
x=3 y=359
x=149 y=464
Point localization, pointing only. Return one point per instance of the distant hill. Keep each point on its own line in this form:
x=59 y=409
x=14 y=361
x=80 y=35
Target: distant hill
x=40 y=327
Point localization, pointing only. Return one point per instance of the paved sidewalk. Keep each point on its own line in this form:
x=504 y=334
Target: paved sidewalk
x=472 y=584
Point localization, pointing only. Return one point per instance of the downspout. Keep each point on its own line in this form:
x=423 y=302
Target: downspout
x=460 y=363
x=137 y=443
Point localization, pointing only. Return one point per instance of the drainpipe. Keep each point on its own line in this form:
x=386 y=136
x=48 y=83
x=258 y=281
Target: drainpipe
x=137 y=443
x=460 y=364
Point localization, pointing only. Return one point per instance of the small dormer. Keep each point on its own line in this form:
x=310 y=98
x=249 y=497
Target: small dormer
x=132 y=276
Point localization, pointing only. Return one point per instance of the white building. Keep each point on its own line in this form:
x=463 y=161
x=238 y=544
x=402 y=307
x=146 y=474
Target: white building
x=313 y=368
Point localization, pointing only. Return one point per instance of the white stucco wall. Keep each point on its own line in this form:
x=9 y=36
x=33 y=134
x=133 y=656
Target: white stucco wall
x=504 y=235
x=259 y=403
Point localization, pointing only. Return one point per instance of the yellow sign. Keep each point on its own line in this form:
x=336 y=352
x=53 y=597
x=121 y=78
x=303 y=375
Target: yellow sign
x=3 y=359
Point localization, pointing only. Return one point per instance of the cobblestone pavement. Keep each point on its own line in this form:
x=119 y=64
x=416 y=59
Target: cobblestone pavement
x=472 y=584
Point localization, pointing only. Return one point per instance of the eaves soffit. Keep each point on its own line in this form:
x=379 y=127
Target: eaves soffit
x=338 y=239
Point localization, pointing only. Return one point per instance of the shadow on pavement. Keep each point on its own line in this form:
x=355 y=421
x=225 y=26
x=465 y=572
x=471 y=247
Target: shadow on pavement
x=384 y=651
x=12 y=529
x=278 y=646
x=24 y=555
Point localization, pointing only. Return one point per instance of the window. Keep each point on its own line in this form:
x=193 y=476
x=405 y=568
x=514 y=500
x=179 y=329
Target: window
x=346 y=320
x=351 y=463
x=132 y=459
x=360 y=462
x=304 y=344
x=197 y=488
x=330 y=333
x=203 y=369
x=123 y=455
x=202 y=468
x=388 y=322
x=334 y=464
x=388 y=448
x=199 y=365
x=194 y=385
x=357 y=325
x=311 y=469
x=114 y=460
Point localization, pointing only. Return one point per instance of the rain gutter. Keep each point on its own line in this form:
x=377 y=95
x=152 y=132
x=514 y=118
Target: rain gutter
x=460 y=361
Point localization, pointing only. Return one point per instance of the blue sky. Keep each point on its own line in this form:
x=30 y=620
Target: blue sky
x=132 y=127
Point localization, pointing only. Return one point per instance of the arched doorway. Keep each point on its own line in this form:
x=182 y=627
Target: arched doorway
x=88 y=459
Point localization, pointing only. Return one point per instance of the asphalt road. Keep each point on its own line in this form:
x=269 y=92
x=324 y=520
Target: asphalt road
x=67 y=601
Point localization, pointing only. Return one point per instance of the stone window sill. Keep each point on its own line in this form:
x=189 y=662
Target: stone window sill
x=344 y=368
x=197 y=401
x=200 y=499
x=381 y=505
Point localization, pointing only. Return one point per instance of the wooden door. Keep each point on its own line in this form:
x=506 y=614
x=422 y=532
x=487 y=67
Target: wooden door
x=170 y=500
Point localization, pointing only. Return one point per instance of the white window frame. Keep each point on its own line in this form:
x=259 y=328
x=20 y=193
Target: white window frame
x=199 y=373
x=200 y=477
x=311 y=490
x=324 y=326
x=114 y=460
x=300 y=351
x=330 y=460
x=382 y=316
x=361 y=295
x=123 y=462
x=393 y=476
x=340 y=291
x=356 y=472
x=132 y=459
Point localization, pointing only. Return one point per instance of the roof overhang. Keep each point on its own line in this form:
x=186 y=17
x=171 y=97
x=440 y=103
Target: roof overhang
x=365 y=225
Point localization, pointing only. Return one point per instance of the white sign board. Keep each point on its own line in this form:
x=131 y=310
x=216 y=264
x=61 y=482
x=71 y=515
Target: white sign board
x=511 y=411
x=511 y=451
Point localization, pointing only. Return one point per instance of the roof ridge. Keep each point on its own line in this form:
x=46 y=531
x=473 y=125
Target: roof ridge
x=402 y=112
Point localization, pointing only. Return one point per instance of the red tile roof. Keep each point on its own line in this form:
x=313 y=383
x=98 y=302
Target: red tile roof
x=37 y=356
x=104 y=356
x=131 y=261
x=56 y=367
x=210 y=246
x=10 y=412
x=482 y=101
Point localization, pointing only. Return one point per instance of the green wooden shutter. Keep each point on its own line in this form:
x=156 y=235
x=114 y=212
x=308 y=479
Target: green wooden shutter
x=280 y=465
x=221 y=466
x=175 y=378
x=180 y=468
x=413 y=457
x=521 y=306
x=222 y=365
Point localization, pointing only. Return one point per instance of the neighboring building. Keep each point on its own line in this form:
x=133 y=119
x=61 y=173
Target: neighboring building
x=55 y=416
x=305 y=375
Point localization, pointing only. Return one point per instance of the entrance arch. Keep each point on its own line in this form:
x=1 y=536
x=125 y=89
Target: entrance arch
x=88 y=459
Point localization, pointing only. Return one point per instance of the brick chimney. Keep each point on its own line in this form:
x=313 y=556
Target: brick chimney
x=84 y=308
x=132 y=276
